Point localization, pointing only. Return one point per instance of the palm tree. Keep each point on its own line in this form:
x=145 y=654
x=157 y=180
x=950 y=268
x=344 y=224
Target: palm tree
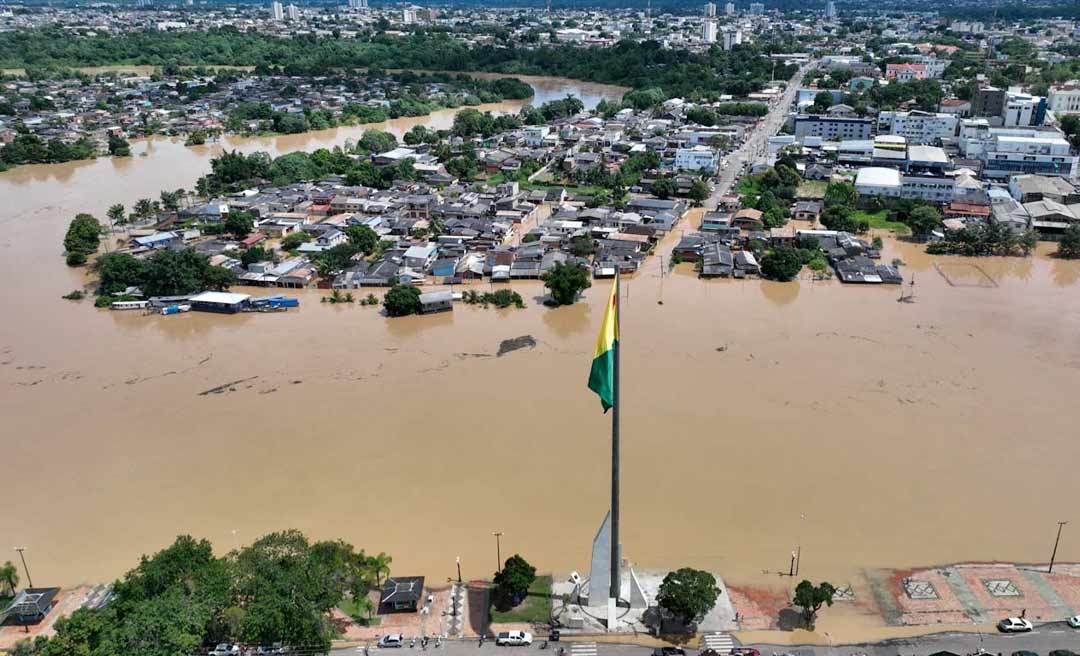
x=10 y=576
x=380 y=566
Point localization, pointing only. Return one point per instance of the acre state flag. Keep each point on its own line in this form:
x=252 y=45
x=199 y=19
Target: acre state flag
x=602 y=375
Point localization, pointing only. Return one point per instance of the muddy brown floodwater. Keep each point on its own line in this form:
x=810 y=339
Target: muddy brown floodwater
x=907 y=434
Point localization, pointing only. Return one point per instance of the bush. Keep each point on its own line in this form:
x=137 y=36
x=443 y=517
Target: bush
x=76 y=295
x=76 y=258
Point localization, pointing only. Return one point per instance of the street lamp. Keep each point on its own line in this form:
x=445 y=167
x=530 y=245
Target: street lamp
x=798 y=546
x=498 y=550
x=459 y=569
x=1052 y=555
x=29 y=581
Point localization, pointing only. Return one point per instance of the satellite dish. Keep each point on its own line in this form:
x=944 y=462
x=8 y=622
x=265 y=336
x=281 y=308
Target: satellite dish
x=575 y=578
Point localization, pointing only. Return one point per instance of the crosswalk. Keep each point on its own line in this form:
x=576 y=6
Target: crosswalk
x=721 y=643
x=583 y=649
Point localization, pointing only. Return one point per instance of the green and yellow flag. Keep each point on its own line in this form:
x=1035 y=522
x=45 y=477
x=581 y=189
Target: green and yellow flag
x=602 y=375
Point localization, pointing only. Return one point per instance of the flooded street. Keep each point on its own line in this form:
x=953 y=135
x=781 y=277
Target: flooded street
x=907 y=434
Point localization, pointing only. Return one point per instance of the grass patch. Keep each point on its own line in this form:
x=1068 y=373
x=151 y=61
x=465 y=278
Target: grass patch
x=880 y=221
x=812 y=189
x=359 y=612
x=535 y=609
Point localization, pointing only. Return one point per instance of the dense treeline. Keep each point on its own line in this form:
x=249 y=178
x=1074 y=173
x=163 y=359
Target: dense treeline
x=32 y=149
x=184 y=599
x=628 y=63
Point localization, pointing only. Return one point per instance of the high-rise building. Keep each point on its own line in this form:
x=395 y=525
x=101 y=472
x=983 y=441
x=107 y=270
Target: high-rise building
x=358 y=4
x=830 y=9
x=292 y=12
x=277 y=12
x=710 y=10
x=729 y=8
x=408 y=15
x=757 y=8
x=708 y=31
x=732 y=38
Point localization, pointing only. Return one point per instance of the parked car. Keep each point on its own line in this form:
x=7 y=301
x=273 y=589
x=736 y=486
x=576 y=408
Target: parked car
x=514 y=638
x=744 y=651
x=1074 y=621
x=1014 y=625
x=225 y=649
x=391 y=640
x=1024 y=652
x=668 y=651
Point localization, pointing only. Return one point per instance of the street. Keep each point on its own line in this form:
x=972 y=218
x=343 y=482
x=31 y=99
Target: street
x=1044 y=639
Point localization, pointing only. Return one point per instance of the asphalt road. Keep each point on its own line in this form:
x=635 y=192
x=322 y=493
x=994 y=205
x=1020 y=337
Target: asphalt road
x=1045 y=638
x=755 y=146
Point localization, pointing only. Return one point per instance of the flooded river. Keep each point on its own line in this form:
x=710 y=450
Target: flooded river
x=906 y=434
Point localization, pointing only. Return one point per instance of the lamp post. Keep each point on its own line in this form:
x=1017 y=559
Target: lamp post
x=1052 y=555
x=798 y=545
x=22 y=556
x=459 y=569
x=498 y=550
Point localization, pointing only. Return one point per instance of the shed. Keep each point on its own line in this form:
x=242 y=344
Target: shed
x=224 y=302
x=31 y=605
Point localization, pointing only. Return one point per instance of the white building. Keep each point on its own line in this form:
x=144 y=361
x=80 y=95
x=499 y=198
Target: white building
x=698 y=158
x=1016 y=150
x=710 y=10
x=277 y=11
x=708 y=31
x=1021 y=109
x=729 y=9
x=292 y=12
x=757 y=8
x=732 y=38
x=918 y=126
x=830 y=10
x=878 y=181
x=1064 y=99
x=535 y=135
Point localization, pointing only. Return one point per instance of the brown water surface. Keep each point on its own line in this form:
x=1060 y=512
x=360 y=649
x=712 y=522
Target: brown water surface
x=905 y=433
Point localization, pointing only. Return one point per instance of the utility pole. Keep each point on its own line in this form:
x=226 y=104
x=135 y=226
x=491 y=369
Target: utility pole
x=459 y=569
x=22 y=556
x=1052 y=556
x=798 y=545
x=498 y=551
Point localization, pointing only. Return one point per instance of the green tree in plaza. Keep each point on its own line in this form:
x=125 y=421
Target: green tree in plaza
x=811 y=598
x=699 y=191
x=781 y=263
x=512 y=582
x=402 y=300
x=1069 y=246
x=566 y=282
x=688 y=594
x=83 y=235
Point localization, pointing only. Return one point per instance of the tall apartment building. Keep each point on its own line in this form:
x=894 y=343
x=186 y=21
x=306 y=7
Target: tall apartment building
x=729 y=9
x=710 y=10
x=918 y=126
x=292 y=12
x=757 y=8
x=1007 y=151
x=830 y=10
x=277 y=11
x=732 y=38
x=708 y=30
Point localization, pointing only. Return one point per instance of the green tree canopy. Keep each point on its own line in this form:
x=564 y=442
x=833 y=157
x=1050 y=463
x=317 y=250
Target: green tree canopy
x=512 y=582
x=688 y=594
x=781 y=263
x=402 y=300
x=83 y=234
x=566 y=282
x=1069 y=246
x=811 y=598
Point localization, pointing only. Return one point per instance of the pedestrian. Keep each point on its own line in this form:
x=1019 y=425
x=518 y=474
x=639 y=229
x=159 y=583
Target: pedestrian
x=1023 y=613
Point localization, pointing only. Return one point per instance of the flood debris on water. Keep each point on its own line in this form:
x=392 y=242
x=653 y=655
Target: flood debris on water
x=516 y=343
x=226 y=387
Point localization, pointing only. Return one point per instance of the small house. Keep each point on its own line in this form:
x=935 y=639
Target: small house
x=432 y=302
x=404 y=593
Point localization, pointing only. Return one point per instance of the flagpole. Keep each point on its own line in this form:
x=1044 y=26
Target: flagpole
x=615 y=587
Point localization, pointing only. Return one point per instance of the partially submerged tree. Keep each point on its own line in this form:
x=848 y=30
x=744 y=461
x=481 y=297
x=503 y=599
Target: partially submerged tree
x=812 y=597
